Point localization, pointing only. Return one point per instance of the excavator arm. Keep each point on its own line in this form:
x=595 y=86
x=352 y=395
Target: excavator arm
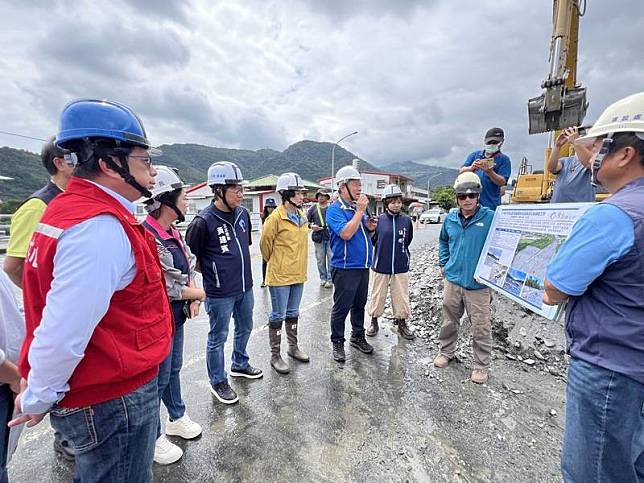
x=562 y=103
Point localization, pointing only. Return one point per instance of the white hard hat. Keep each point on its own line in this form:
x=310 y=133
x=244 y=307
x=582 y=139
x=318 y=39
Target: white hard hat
x=346 y=173
x=466 y=183
x=391 y=191
x=166 y=180
x=224 y=173
x=290 y=182
x=625 y=115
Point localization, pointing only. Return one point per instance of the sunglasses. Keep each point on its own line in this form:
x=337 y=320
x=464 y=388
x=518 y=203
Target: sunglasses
x=468 y=195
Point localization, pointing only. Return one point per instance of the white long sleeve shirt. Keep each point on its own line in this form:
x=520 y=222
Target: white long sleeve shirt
x=93 y=260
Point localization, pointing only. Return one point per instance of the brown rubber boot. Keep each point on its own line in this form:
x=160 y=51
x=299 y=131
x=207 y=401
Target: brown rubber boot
x=404 y=330
x=373 y=328
x=275 y=339
x=291 y=335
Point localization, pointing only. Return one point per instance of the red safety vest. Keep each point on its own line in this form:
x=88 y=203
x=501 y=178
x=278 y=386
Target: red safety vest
x=134 y=336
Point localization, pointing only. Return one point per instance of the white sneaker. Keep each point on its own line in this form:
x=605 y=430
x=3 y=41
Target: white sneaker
x=322 y=283
x=166 y=453
x=183 y=427
x=328 y=284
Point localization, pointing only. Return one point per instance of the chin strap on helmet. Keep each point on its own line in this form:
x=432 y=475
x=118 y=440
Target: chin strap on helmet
x=180 y=216
x=599 y=159
x=106 y=154
x=220 y=191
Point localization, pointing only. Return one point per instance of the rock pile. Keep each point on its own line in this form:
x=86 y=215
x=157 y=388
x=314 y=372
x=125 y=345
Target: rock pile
x=518 y=334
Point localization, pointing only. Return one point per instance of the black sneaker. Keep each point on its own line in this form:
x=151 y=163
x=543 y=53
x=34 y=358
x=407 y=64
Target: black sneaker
x=338 y=351
x=63 y=448
x=362 y=345
x=224 y=392
x=249 y=372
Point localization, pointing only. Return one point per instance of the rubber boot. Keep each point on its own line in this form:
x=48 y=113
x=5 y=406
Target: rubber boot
x=291 y=335
x=275 y=339
x=404 y=330
x=373 y=328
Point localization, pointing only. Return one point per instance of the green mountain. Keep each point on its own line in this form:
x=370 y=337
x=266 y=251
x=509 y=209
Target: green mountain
x=26 y=170
x=310 y=159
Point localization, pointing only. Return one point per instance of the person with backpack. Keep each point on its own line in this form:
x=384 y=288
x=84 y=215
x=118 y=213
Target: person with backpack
x=320 y=236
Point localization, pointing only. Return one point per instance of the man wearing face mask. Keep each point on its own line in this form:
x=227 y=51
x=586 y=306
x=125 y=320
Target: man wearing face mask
x=492 y=166
x=599 y=270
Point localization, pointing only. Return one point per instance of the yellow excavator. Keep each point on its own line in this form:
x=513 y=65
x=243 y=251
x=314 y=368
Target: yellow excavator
x=562 y=103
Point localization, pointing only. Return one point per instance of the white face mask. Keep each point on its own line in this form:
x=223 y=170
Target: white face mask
x=492 y=148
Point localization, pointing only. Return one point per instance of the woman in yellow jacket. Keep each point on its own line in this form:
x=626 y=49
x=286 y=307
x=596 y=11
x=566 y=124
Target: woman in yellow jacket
x=284 y=246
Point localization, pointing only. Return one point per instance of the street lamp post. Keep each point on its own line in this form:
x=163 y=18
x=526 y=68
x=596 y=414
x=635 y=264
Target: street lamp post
x=333 y=158
x=428 y=181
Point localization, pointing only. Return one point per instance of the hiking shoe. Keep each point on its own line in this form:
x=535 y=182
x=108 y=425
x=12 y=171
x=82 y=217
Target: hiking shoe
x=165 y=452
x=64 y=448
x=373 y=328
x=184 y=427
x=249 y=372
x=441 y=361
x=404 y=331
x=338 y=351
x=479 y=376
x=362 y=345
x=224 y=392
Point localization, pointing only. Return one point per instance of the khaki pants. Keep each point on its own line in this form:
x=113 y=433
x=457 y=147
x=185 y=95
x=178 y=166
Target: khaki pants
x=380 y=283
x=456 y=300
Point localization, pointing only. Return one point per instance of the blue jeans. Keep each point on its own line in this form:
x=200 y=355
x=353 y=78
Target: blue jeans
x=220 y=311
x=113 y=440
x=169 y=380
x=323 y=256
x=285 y=301
x=604 y=435
x=6 y=411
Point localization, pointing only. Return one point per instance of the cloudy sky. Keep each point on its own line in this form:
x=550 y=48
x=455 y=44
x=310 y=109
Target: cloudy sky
x=420 y=80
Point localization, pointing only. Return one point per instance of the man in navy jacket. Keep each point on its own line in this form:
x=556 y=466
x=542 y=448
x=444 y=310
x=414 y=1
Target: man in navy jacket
x=391 y=264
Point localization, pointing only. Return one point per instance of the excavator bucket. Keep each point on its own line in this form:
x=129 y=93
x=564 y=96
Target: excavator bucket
x=557 y=108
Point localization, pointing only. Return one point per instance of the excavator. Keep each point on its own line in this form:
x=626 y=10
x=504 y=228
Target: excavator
x=561 y=104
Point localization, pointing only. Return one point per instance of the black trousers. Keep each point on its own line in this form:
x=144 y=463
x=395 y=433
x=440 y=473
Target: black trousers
x=350 y=288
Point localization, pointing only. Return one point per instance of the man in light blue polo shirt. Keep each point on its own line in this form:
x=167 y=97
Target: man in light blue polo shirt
x=492 y=166
x=599 y=270
x=573 y=183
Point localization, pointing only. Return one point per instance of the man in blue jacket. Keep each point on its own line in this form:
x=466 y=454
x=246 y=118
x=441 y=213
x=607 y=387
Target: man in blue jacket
x=491 y=166
x=350 y=232
x=600 y=271
x=220 y=236
x=391 y=263
x=461 y=242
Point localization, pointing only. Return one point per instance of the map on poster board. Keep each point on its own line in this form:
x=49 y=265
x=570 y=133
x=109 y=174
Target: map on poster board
x=522 y=241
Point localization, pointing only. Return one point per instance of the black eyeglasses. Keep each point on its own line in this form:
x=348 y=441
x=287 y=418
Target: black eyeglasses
x=468 y=195
x=147 y=160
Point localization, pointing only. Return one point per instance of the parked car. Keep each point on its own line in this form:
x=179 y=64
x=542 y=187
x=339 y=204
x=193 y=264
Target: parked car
x=433 y=215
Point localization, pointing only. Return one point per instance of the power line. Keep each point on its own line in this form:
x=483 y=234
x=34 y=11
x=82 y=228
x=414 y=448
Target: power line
x=22 y=136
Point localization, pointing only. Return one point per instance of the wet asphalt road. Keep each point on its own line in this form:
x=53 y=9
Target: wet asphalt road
x=375 y=418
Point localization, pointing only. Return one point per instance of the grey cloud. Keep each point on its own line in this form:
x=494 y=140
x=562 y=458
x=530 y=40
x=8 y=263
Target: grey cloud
x=177 y=11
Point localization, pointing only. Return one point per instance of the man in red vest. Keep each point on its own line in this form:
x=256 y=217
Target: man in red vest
x=98 y=320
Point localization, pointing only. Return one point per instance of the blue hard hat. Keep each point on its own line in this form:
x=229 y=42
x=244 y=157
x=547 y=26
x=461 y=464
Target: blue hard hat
x=91 y=118
x=270 y=203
